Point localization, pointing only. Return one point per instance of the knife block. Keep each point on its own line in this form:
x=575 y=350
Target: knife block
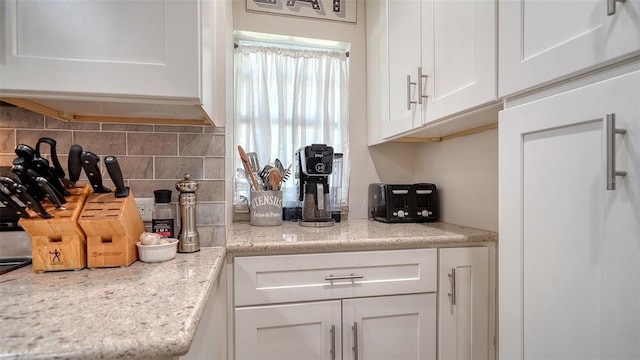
x=113 y=226
x=58 y=243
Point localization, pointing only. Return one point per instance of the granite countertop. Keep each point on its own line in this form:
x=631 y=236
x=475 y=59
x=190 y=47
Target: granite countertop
x=142 y=311
x=351 y=235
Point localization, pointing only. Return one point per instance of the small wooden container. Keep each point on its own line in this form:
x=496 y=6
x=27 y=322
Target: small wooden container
x=113 y=226
x=58 y=243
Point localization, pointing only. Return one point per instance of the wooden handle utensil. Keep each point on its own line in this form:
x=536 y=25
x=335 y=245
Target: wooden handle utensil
x=247 y=168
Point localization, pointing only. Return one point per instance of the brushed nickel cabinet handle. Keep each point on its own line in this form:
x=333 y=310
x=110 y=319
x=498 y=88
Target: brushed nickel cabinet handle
x=351 y=276
x=354 y=329
x=452 y=294
x=611 y=151
x=611 y=6
x=409 y=83
x=332 y=331
x=420 y=77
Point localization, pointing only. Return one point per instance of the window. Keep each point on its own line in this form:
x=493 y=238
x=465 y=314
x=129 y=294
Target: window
x=287 y=98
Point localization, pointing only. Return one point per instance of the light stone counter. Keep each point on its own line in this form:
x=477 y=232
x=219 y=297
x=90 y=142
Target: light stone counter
x=351 y=235
x=143 y=311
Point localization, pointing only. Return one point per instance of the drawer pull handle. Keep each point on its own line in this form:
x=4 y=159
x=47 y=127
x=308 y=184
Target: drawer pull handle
x=351 y=276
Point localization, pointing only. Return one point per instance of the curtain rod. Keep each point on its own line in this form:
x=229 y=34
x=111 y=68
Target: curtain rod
x=235 y=46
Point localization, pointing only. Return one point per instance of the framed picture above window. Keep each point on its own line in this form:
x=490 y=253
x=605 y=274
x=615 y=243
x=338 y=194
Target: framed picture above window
x=337 y=10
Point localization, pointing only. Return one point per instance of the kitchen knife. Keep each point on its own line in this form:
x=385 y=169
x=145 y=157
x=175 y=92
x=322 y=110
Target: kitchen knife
x=21 y=192
x=49 y=191
x=75 y=163
x=57 y=168
x=58 y=171
x=10 y=203
x=25 y=151
x=19 y=168
x=116 y=176
x=41 y=166
x=90 y=165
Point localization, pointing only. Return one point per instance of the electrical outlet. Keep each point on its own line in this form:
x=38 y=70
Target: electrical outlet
x=145 y=206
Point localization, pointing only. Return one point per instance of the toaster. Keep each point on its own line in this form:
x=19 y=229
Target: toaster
x=403 y=203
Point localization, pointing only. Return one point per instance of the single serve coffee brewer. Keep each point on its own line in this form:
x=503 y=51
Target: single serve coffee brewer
x=313 y=167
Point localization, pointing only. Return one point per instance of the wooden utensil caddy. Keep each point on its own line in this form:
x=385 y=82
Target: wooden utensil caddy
x=58 y=243
x=112 y=226
x=95 y=230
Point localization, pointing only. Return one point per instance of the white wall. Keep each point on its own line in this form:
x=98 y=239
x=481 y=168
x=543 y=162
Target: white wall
x=465 y=169
x=362 y=168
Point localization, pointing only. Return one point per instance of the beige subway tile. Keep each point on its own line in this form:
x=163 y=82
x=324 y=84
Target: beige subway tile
x=214 y=130
x=101 y=143
x=210 y=213
x=152 y=144
x=51 y=123
x=136 y=167
x=214 y=168
x=176 y=167
x=145 y=188
x=18 y=118
x=127 y=127
x=210 y=190
x=178 y=129
x=7 y=140
x=30 y=137
x=212 y=236
x=7 y=161
x=201 y=145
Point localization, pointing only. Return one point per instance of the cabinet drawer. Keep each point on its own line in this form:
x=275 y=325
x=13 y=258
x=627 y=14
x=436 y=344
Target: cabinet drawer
x=287 y=278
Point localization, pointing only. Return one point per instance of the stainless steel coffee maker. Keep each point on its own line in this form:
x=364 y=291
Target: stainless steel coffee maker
x=313 y=167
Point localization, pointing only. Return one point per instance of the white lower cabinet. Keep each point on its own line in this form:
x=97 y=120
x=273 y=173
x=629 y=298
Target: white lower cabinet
x=463 y=303
x=388 y=327
x=364 y=305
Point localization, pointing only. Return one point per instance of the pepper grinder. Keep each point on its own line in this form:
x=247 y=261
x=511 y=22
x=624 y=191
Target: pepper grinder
x=188 y=239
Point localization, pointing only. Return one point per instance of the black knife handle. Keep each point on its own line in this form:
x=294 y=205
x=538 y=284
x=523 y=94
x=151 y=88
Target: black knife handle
x=90 y=164
x=23 y=195
x=25 y=151
x=11 y=204
x=49 y=191
x=41 y=166
x=116 y=176
x=75 y=163
x=58 y=170
x=20 y=168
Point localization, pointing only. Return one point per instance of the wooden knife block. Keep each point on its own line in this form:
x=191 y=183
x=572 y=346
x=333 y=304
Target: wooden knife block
x=58 y=243
x=112 y=226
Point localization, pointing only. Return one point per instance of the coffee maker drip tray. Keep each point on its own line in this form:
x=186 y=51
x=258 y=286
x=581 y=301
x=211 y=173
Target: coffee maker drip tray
x=316 y=224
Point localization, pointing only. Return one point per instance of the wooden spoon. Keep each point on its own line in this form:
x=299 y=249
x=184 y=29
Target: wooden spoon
x=247 y=167
x=275 y=177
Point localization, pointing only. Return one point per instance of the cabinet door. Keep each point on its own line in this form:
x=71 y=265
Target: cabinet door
x=569 y=250
x=545 y=40
x=463 y=300
x=404 y=51
x=459 y=50
x=101 y=47
x=292 y=331
x=390 y=327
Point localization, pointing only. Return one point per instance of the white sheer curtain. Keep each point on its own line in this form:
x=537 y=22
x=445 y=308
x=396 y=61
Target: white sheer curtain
x=288 y=98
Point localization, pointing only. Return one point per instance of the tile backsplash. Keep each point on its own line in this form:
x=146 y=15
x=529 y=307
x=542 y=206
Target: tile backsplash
x=151 y=157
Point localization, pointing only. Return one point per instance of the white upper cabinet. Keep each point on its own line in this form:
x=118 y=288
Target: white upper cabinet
x=459 y=56
x=86 y=60
x=426 y=61
x=541 y=41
